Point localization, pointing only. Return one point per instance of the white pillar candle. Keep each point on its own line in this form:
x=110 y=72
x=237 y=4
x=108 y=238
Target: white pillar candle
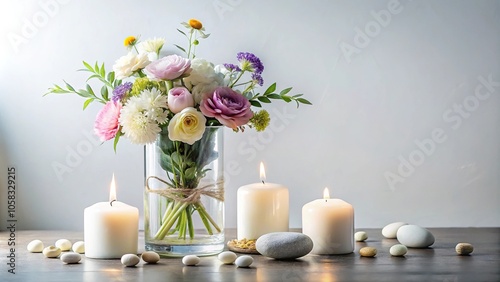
x=261 y=208
x=110 y=228
x=330 y=224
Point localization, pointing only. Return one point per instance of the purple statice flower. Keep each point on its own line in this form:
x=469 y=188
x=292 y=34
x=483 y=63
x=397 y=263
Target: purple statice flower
x=120 y=91
x=232 y=67
x=250 y=62
x=258 y=78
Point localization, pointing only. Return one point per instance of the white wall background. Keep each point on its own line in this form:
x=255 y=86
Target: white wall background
x=374 y=95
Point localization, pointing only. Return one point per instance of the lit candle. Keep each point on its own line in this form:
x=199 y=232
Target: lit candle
x=330 y=224
x=110 y=228
x=261 y=208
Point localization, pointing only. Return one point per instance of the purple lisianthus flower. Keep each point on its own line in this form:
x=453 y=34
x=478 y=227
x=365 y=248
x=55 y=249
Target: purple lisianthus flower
x=250 y=62
x=229 y=107
x=258 y=79
x=120 y=91
x=168 y=68
x=232 y=67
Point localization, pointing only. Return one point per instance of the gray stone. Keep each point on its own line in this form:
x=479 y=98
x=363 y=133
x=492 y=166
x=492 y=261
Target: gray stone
x=284 y=245
x=414 y=236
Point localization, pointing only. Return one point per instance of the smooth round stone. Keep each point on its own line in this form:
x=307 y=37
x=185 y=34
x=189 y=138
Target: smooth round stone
x=368 y=252
x=398 y=250
x=284 y=245
x=414 y=236
x=70 y=258
x=190 y=260
x=227 y=257
x=35 y=246
x=51 y=252
x=464 y=249
x=64 y=244
x=79 y=247
x=390 y=230
x=150 y=257
x=360 y=236
x=244 y=261
x=130 y=260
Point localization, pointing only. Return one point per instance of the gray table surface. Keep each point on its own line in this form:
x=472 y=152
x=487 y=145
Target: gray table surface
x=438 y=263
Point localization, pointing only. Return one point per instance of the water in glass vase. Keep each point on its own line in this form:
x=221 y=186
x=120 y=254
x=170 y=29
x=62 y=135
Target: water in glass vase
x=184 y=195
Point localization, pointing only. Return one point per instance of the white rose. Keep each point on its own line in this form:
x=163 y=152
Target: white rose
x=126 y=65
x=201 y=89
x=187 y=126
x=202 y=72
x=151 y=47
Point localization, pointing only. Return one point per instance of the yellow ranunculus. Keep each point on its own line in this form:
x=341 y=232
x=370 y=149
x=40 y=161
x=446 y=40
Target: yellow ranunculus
x=187 y=126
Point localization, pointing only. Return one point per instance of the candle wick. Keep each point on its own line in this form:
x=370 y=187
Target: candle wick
x=111 y=203
x=263 y=182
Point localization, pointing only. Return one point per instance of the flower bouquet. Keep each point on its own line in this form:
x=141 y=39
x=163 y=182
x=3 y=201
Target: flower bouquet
x=176 y=106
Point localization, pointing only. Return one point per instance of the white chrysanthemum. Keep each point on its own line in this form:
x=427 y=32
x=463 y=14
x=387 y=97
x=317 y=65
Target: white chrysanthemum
x=151 y=47
x=153 y=102
x=141 y=116
x=126 y=65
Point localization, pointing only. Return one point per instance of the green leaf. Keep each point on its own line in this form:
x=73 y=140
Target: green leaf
x=304 y=101
x=111 y=76
x=255 y=103
x=264 y=99
x=285 y=91
x=117 y=138
x=270 y=89
x=104 y=92
x=176 y=158
x=89 y=90
x=83 y=93
x=87 y=103
x=182 y=49
x=190 y=173
x=68 y=86
x=273 y=96
x=96 y=68
x=103 y=71
x=181 y=32
x=286 y=99
x=89 y=67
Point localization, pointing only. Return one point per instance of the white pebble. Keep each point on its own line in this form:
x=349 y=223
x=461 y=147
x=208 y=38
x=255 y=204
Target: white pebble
x=227 y=257
x=244 y=261
x=190 y=260
x=51 y=252
x=63 y=244
x=390 y=230
x=398 y=250
x=35 y=246
x=150 y=257
x=79 y=247
x=360 y=236
x=70 y=258
x=130 y=259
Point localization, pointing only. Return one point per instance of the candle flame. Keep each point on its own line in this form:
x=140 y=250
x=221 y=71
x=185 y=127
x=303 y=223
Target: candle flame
x=262 y=172
x=326 y=193
x=112 y=190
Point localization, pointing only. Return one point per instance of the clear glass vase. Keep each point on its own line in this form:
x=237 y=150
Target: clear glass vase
x=184 y=195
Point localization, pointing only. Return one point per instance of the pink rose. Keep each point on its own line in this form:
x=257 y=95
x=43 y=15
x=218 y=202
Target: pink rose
x=229 y=107
x=168 y=68
x=179 y=98
x=106 y=123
